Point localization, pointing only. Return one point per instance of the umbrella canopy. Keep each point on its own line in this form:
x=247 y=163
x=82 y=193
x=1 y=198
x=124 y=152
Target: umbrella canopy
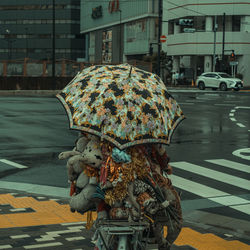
x=122 y=104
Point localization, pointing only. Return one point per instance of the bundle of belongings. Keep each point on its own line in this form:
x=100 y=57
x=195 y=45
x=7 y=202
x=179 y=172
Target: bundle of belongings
x=129 y=184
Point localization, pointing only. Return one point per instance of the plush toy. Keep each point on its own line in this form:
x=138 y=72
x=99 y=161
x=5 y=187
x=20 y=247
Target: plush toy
x=86 y=153
x=92 y=154
x=80 y=145
x=82 y=202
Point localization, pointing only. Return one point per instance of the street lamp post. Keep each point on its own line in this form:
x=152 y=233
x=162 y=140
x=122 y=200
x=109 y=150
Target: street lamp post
x=159 y=37
x=26 y=33
x=120 y=37
x=9 y=41
x=215 y=29
x=53 y=41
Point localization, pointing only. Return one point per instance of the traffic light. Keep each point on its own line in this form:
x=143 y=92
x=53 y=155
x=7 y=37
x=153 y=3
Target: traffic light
x=186 y=22
x=232 y=56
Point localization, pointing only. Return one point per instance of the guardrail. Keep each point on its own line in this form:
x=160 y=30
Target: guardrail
x=63 y=68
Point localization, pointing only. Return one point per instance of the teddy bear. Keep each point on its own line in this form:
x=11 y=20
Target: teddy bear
x=86 y=153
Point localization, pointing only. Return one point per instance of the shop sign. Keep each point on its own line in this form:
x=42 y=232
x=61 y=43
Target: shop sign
x=113 y=6
x=97 y=12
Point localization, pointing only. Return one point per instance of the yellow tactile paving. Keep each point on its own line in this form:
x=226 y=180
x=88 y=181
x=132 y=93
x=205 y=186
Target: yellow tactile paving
x=207 y=241
x=46 y=212
x=51 y=212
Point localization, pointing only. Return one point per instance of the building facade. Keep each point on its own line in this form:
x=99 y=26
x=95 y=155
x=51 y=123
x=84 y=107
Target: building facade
x=118 y=31
x=26 y=29
x=219 y=28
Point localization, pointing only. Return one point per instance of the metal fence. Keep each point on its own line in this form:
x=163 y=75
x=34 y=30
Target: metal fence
x=63 y=68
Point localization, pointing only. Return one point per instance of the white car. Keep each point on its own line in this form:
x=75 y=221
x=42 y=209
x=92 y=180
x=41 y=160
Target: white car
x=218 y=80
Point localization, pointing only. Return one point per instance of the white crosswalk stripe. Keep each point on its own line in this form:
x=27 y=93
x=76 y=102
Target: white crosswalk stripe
x=231 y=164
x=209 y=191
x=212 y=174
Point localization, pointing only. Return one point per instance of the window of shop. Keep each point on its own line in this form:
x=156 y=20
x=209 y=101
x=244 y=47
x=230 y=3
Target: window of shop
x=107 y=46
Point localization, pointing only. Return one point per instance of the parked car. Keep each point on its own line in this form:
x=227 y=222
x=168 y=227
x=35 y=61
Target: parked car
x=218 y=80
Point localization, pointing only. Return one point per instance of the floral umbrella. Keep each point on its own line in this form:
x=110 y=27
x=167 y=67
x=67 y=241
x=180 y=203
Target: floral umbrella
x=122 y=104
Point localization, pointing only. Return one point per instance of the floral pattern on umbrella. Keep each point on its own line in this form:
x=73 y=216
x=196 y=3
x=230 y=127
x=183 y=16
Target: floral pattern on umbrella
x=122 y=104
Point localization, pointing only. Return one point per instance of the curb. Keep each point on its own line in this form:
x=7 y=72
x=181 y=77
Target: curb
x=54 y=92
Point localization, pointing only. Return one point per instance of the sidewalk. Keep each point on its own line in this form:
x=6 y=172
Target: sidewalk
x=44 y=222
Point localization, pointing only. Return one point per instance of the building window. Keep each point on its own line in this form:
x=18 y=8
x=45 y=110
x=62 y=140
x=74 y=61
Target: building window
x=171 y=27
x=199 y=23
x=107 y=46
x=236 y=20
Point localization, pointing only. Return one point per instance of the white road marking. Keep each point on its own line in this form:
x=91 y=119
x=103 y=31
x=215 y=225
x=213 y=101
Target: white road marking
x=231 y=114
x=196 y=188
x=73 y=223
x=5 y=246
x=43 y=245
x=239 y=152
x=14 y=164
x=242 y=107
x=18 y=209
x=231 y=164
x=37 y=189
x=242 y=208
x=220 y=104
x=233 y=110
x=20 y=236
x=233 y=119
x=53 y=234
x=215 y=175
x=212 y=194
x=75 y=238
x=241 y=125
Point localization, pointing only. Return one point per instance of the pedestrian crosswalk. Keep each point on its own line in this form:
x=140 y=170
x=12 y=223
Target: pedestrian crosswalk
x=220 y=185
x=231 y=164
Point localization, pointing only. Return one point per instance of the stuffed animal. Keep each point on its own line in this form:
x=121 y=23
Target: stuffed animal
x=80 y=145
x=92 y=154
x=87 y=152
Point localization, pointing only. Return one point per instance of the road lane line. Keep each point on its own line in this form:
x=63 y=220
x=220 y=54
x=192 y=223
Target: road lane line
x=221 y=104
x=242 y=208
x=211 y=194
x=196 y=188
x=215 y=175
x=242 y=107
x=241 y=125
x=43 y=245
x=231 y=164
x=14 y=164
x=233 y=119
x=35 y=188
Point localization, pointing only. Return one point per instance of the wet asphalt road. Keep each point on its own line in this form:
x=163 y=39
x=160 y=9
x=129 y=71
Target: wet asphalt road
x=34 y=130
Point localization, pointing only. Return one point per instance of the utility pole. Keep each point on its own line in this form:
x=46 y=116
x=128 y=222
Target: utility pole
x=26 y=33
x=215 y=29
x=223 y=42
x=120 y=38
x=53 y=43
x=159 y=37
